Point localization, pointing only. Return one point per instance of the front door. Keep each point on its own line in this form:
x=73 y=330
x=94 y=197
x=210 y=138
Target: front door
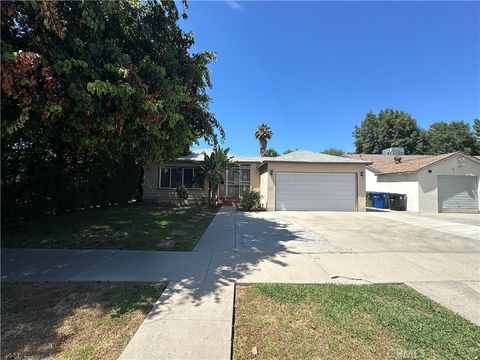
x=236 y=182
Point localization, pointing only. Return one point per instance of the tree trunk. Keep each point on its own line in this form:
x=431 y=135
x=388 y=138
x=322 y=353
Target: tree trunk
x=263 y=146
x=210 y=193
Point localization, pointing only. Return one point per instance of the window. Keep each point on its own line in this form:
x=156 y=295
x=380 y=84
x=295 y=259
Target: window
x=198 y=180
x=165 y=177
x=176 y=181
x=188 y=177
x=175 y=177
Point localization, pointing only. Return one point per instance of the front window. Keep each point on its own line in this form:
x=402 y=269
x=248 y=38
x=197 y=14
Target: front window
x=188 y=177
x=175 y=177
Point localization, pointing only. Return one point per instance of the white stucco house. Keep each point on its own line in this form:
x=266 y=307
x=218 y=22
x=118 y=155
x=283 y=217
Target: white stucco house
x=441 y=183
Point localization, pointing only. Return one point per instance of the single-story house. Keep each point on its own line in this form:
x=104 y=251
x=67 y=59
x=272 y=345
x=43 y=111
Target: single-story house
x=300 y=180
x=432 y=183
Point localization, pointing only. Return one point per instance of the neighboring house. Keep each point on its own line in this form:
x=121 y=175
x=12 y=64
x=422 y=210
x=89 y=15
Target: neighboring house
x=440 y=183
x=300 y=180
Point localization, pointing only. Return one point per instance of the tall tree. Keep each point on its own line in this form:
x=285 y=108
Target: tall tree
x=388 y=128
x=213 y=168
x=333 y=151
x=476 y=128
x=445 y=137
x=89 y=87
x=271 y=152
x=263 y=134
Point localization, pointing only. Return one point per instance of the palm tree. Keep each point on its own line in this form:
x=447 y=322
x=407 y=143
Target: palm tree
x=271 y=152
x=263 y=134
x=213 y=168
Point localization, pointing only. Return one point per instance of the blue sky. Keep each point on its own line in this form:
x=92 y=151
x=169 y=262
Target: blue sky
x=311 y=70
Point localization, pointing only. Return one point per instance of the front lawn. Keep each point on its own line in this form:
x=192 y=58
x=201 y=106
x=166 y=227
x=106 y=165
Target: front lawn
x=347 y=322
x=72 y=321
x=134 y=227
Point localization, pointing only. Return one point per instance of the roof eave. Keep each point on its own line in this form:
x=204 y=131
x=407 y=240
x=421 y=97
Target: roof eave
x=398 y=173
x=318 y=162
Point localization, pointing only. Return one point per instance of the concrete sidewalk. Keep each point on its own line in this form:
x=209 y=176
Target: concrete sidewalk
x=35 y=265
x=189 y=321
x=220 y=235
x=193 y=319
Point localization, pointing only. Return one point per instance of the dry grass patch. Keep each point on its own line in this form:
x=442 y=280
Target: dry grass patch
x=72 y=321
x=347 y=322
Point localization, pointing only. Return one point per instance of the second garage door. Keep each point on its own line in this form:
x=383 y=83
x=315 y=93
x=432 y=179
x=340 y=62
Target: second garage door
x=315 y=191
x=457 y=194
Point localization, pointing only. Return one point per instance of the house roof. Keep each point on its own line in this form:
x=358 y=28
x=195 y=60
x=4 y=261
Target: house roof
x=303 y=156
x=300 y=156
x=385 y=164
x=198 y=155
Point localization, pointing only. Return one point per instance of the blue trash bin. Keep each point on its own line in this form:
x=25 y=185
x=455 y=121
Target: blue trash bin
x=385 y=199
x=380 y=200
x=377 y=200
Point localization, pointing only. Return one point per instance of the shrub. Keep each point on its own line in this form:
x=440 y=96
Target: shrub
x=182 y=194
x=369 y=200
x=251 y=199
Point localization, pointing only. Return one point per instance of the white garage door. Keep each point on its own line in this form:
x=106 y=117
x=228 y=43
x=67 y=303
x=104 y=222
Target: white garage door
x=315 y=191
x=457 y=194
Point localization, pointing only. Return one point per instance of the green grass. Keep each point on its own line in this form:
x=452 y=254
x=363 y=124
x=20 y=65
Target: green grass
x=72 y=321
x=348 y=322
x=135 y=227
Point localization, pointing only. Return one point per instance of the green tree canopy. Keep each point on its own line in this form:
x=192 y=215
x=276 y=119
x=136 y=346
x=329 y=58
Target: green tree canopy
x=386 y=129
x=476 y=128
x=271 y=152
x=445 y=137
x=90 y=86
x=333 y=151
x=287 y=151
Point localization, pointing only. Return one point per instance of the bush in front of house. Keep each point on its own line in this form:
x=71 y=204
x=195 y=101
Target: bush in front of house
x=251 y=199
x=182 y=194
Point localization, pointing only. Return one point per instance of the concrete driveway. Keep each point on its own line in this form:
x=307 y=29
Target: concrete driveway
x=266 y=232
x=392 y=231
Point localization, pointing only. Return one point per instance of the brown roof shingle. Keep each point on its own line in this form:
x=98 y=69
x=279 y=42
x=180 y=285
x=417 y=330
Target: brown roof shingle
x=385 y=164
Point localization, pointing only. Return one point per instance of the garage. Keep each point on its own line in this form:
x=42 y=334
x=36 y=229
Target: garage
x=316 y=191
x=457 y=194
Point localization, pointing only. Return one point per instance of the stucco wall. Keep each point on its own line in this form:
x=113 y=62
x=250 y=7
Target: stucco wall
x=308 y=167
x=254 y=177
x=263 y=172
x=395 y=183
x=428 y=187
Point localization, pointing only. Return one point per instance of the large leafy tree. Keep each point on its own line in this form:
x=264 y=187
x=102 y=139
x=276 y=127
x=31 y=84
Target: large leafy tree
x=476 y=128
x=263 y=134
x=90 y=88
x=445 y=137
x=386 y=129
